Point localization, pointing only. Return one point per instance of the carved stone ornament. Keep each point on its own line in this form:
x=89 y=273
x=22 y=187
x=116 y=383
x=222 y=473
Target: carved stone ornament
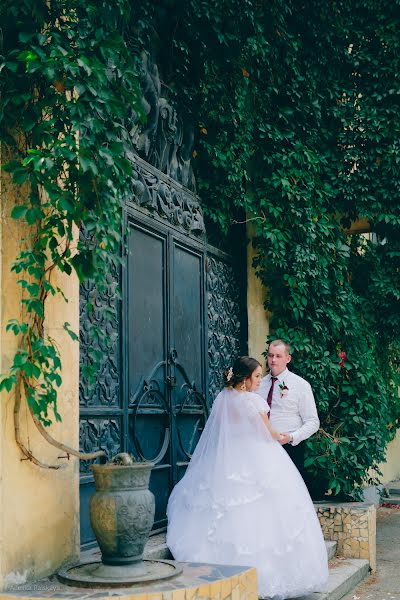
x=163 y=141
x=171 y=201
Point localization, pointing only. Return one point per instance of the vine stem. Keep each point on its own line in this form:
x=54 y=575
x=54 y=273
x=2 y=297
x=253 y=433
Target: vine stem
x=333 y=437
x=262 y=219
x=69 y=451
x=17 y=431
x=52 y=441
x=38 y=325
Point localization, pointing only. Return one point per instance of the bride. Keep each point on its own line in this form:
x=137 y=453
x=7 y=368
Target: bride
x=242 y=500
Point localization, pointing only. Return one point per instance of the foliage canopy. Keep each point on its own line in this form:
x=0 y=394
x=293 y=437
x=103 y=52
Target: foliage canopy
x=296 y=120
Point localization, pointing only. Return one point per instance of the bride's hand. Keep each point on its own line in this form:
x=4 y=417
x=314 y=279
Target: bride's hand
x=276 y=435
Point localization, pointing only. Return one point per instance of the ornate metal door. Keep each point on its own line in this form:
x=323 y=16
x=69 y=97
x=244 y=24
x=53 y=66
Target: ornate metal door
x=180 y=324
x=165 y=325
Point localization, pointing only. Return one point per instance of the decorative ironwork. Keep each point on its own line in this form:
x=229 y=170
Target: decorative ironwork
x=110 y=438
x=224 y=325
x=88 y=442
x=150 y=402
x=98 y=433
x=104 y=317
x=165 y=141
x=169 y=200
x=190 y=409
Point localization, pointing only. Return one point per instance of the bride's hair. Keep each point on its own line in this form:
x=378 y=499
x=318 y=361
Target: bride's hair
x=241 y=368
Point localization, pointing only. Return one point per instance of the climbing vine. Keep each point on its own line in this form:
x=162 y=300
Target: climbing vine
x=296 y=122
x=67 y=77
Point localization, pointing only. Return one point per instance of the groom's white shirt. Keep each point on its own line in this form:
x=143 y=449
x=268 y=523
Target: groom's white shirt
x=292 y=412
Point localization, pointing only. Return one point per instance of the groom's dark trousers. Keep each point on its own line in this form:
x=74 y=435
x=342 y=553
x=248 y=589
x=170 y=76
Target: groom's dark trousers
x=296 y=453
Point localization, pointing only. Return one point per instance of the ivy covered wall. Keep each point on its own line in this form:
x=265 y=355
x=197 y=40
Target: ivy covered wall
x=294 y=108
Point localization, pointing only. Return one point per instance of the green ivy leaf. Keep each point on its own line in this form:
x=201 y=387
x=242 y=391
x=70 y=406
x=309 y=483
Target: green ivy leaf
x=19 y=211
x=7 y=383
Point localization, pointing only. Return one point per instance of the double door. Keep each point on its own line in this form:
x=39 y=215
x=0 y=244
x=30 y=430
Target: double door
x=180 y=322
x=165 y=346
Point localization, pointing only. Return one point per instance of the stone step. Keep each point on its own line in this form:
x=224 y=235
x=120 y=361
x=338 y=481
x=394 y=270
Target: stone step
x=344 y=575
x=197 y=582
x=393 y=488
x=331 y=549
x=391 y=500
x=156 y=547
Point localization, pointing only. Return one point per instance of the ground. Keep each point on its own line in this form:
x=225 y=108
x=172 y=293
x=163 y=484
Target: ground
x=384 y=584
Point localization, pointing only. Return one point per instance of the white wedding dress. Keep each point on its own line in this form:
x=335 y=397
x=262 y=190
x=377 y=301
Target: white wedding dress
x=243 y=502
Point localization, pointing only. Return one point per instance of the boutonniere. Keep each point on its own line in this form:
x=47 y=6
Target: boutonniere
x=284 y=389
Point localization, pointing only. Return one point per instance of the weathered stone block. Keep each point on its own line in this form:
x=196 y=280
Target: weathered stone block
x=353 y=526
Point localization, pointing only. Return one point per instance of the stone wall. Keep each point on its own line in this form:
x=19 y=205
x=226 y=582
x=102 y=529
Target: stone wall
x=353 y=526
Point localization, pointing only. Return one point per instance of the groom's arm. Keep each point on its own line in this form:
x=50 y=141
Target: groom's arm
x=308 y=414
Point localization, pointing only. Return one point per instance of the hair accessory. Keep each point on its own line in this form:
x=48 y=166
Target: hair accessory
x=229 y=375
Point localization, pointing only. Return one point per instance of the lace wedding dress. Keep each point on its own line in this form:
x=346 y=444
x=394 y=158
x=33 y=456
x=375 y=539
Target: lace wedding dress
x=243 y=502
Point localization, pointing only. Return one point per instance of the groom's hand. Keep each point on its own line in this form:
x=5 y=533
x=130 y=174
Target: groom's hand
x=285 y=438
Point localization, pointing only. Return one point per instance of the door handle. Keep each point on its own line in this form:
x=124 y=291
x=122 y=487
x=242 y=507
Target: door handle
x=171 y=381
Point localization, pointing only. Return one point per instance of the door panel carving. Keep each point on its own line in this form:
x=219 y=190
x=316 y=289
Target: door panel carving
x=226 y=321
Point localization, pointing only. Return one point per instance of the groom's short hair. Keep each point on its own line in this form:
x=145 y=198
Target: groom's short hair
x=281 y=343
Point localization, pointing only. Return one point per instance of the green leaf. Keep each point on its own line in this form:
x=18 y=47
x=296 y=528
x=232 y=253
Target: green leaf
x=71 y=333
x=31 y=370
x=7 y=383
x=19 y=211
x=20 y=176
x=16 y=326
x=20 y=358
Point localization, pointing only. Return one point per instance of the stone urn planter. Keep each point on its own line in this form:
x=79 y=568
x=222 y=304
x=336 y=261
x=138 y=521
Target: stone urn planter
x=122 y=515
x=122 y=509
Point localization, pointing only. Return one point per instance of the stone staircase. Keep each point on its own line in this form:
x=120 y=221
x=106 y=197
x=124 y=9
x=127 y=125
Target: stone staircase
x=392 y=491
x=344 y=573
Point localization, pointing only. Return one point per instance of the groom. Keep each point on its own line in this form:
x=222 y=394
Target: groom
x=291 y=400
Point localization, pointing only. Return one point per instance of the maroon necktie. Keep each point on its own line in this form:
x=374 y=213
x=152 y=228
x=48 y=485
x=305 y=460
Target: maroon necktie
x=271 y=391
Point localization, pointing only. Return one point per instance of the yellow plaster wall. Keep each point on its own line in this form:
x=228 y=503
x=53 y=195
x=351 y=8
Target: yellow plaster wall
x=258 y=324
x=391 y=468
x=39 y=509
